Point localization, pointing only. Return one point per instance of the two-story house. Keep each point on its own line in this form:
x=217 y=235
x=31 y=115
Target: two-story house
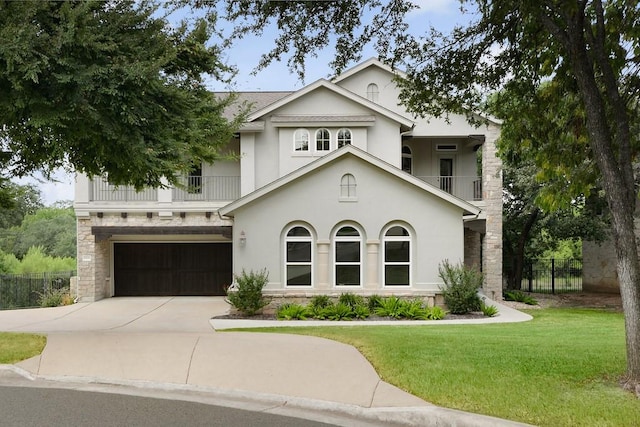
x=336 y=188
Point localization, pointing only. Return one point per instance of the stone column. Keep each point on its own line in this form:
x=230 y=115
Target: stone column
x=86 y=261
x=472 y=252
x=492 y=195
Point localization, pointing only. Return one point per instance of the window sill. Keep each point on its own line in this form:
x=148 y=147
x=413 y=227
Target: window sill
x=348 y=199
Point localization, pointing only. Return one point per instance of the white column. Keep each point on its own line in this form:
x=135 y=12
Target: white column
x=247 y=163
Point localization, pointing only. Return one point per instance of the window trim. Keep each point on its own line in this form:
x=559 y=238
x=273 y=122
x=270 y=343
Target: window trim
x=338 y=137
x=351 y=187
x=335 y=239
x=295 y=141
x=385 y=239
x=318 y=150
x=310 y=263
x=373 y=92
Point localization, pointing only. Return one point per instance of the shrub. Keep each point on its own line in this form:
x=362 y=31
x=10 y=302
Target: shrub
x=352 y=300
x=54 y=297
x=361 y=312
x=374 y=302
x=413 y=310
x=290 y=311
x=320 y=301
x=519 y=296
x=461 y=287
x=247 y=296
x=390 y=307
x=488 y=310
x=436 y=313
x=338 y=311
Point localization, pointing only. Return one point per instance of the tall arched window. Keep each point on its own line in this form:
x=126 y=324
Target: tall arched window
x=407 y=159
x=344 y=137
x=323 y=140
x=348 y=186
x=397 y=257
x=347 y=248
x=372 y=92
x=301 y=140
x=299 y=260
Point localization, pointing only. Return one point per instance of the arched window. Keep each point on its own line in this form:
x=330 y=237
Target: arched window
x=348 y=186
x=397 y=257
x=347 y=248
x=323 y=140
x=298 y=261
x=301 y=140
x=344 y=137
x=372 y=92
x=407 y=159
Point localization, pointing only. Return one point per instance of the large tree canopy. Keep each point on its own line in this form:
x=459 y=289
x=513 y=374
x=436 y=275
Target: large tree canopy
x=107 y=88
x=590 y=45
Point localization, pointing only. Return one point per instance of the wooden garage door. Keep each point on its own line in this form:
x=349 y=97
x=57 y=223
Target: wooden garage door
x=164 y=269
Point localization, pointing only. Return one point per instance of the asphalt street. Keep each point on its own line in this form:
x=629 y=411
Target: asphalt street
x=30 y=406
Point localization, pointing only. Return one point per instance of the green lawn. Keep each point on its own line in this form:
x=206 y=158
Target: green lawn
x=15 y=347
x=561 y=369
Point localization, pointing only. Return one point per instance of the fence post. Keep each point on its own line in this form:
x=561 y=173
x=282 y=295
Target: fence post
x=553 y=276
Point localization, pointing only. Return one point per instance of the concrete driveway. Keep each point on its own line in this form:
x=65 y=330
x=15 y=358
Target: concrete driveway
x=169 y=344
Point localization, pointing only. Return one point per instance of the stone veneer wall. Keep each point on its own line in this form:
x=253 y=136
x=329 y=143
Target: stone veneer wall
x=492 y=195
x=94 y=258
x=472 y=252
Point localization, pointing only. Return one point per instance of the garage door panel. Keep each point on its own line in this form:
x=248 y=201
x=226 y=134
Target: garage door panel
x=163 y=269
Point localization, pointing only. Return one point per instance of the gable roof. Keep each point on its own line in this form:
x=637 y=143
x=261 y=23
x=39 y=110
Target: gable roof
x=371 y=62
x=405 y=122
x=348 y=150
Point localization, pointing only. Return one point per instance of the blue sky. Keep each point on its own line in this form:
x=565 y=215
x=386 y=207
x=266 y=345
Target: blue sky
x=442 y=14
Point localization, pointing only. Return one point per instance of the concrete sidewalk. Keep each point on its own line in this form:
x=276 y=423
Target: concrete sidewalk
x=169 y=344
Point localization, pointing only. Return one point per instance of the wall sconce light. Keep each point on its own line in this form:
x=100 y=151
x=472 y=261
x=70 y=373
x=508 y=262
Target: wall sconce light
x=243 y=238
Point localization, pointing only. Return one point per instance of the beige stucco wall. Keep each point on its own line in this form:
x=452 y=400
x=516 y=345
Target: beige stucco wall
x=382 y=199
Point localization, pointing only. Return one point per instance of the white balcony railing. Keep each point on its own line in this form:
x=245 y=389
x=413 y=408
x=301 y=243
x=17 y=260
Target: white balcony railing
x=208 y=188
x=465 y=187
x=193 y=188
x=102 y=191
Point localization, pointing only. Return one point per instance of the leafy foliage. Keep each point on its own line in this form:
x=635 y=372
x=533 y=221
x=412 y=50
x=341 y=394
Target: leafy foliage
x=108 y=88
x=21 y=200
x=390 y=307
x=352 y=300
x=290 y=311
x=54 y=297
x=488 y=310
x=461 y=286
x=320 y=301
x=247 y=296
x=340 y=311
x=519 y=297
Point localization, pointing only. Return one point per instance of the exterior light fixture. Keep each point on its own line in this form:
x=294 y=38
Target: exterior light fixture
x=243 y=238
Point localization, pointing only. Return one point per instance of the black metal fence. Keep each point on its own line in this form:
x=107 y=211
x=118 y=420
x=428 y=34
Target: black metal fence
x=25 y=290
x=553 y=276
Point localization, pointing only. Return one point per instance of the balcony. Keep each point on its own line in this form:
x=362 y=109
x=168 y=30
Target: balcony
x=193 y=188
x=467 y=188
x=207 y=188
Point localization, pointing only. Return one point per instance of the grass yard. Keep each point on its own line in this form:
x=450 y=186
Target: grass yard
x=561 y=369
x=15 y=347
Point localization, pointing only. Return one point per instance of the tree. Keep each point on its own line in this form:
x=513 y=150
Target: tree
x=591 y=44
x=107 y=88
x=551 y=189
x=21 y=200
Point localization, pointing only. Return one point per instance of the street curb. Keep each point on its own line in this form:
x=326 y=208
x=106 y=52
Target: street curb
x=310 y=409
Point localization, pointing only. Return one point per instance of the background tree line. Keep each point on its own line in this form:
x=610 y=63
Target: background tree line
x=35 y=238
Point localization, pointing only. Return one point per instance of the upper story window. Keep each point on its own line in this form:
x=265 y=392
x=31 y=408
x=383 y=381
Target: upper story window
x=348 y=186
x=301 y=140
x=298 y=262
x=407 y=159
x=323 y=140
x=372 y=92
x=344 y=137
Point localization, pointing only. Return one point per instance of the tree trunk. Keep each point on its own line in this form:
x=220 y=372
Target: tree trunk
x=610 y=145
x=518 y=269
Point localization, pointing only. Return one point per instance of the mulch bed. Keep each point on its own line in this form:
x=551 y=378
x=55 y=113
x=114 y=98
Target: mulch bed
x=449 y=316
